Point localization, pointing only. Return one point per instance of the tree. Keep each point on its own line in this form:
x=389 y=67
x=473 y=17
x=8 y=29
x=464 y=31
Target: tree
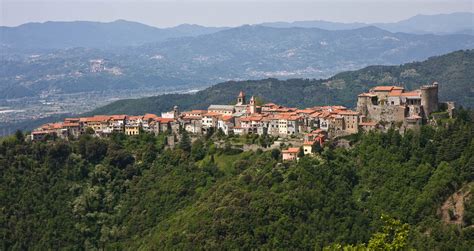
x=394 y=235
x=276 y=154
x=300 y=152
x=316 y=147
x=185 y=142
x=19 y=136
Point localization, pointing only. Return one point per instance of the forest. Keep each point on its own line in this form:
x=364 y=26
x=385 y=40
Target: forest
x=386 y=191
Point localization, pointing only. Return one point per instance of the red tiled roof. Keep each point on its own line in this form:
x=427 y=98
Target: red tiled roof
x=291 y=150
x=150 y=116
x=251 y=118
x=395 y=93
x=96 y=118
x=118 y=117
x=383 y=88
x=347 y=112
x=306 y=111
x=411 y=94
x=164 y=120
x=70 y=124
x=135 y=117
x=226 y=117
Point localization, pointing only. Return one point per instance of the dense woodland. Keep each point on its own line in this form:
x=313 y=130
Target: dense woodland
x=133 y=192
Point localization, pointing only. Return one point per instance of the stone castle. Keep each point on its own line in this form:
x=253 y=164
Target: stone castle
x=394 y=106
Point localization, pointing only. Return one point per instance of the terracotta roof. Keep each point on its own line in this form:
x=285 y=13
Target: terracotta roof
x=70 y=124
x=251 y=118
x=348 y=112
x=164 y=120
x=150 y=116
x=308 y=143
x=291 y=150
x=241 y=94
x=211 y=114
x=118 y=117
x=135 y=117
x=96 y=118
x=306 y=111
x=395 y=93
x=196 y=112
x=411 y=94
x=227 y=117
x=384 y=88
x=187 y=117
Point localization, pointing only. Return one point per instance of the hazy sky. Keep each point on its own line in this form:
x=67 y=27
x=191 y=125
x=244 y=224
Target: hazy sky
x=165 y=13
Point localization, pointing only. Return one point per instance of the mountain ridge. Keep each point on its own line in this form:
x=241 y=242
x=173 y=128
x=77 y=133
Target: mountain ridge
x=454 y=72
x=67 y=34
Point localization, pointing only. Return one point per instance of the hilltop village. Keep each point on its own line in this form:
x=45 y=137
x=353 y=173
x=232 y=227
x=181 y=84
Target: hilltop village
x=380 y=108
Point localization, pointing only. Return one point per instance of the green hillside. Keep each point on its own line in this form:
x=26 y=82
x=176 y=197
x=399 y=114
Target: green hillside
x=132 y=193
x=454 y=72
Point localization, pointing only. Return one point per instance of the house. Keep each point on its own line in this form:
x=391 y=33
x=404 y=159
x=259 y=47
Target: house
x=238 y=130
x=117 y=123
x=146 y=120
x=99 y=123
x=174 y=114
x=226 y=124
x=209 y=121
x=192 y=122
x=290 y=154
x=221 y=109
x=251 y=123
x=132 y=129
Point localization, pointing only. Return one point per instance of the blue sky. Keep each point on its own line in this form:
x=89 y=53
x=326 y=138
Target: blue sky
x=166 y=13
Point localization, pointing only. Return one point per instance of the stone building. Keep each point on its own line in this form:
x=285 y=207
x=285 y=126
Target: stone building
x=393 y=105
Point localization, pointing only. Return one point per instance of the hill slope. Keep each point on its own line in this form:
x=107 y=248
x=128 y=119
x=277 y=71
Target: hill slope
x=454 y=72
x=131 y=193
x=248 y=52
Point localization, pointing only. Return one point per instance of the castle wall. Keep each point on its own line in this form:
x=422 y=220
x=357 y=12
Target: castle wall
x=429 y=99
x=386 y=113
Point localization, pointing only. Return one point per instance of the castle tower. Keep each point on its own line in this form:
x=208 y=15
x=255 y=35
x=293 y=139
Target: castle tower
x=176 y=111
x=253 y=107
x=241 y=98
x=429 y=98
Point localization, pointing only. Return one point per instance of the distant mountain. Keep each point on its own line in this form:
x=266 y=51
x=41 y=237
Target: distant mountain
x=455 y=23
x=454 y=72
x=435 y=24
x=120 y=33
x=247 y=52
x=320 y=24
